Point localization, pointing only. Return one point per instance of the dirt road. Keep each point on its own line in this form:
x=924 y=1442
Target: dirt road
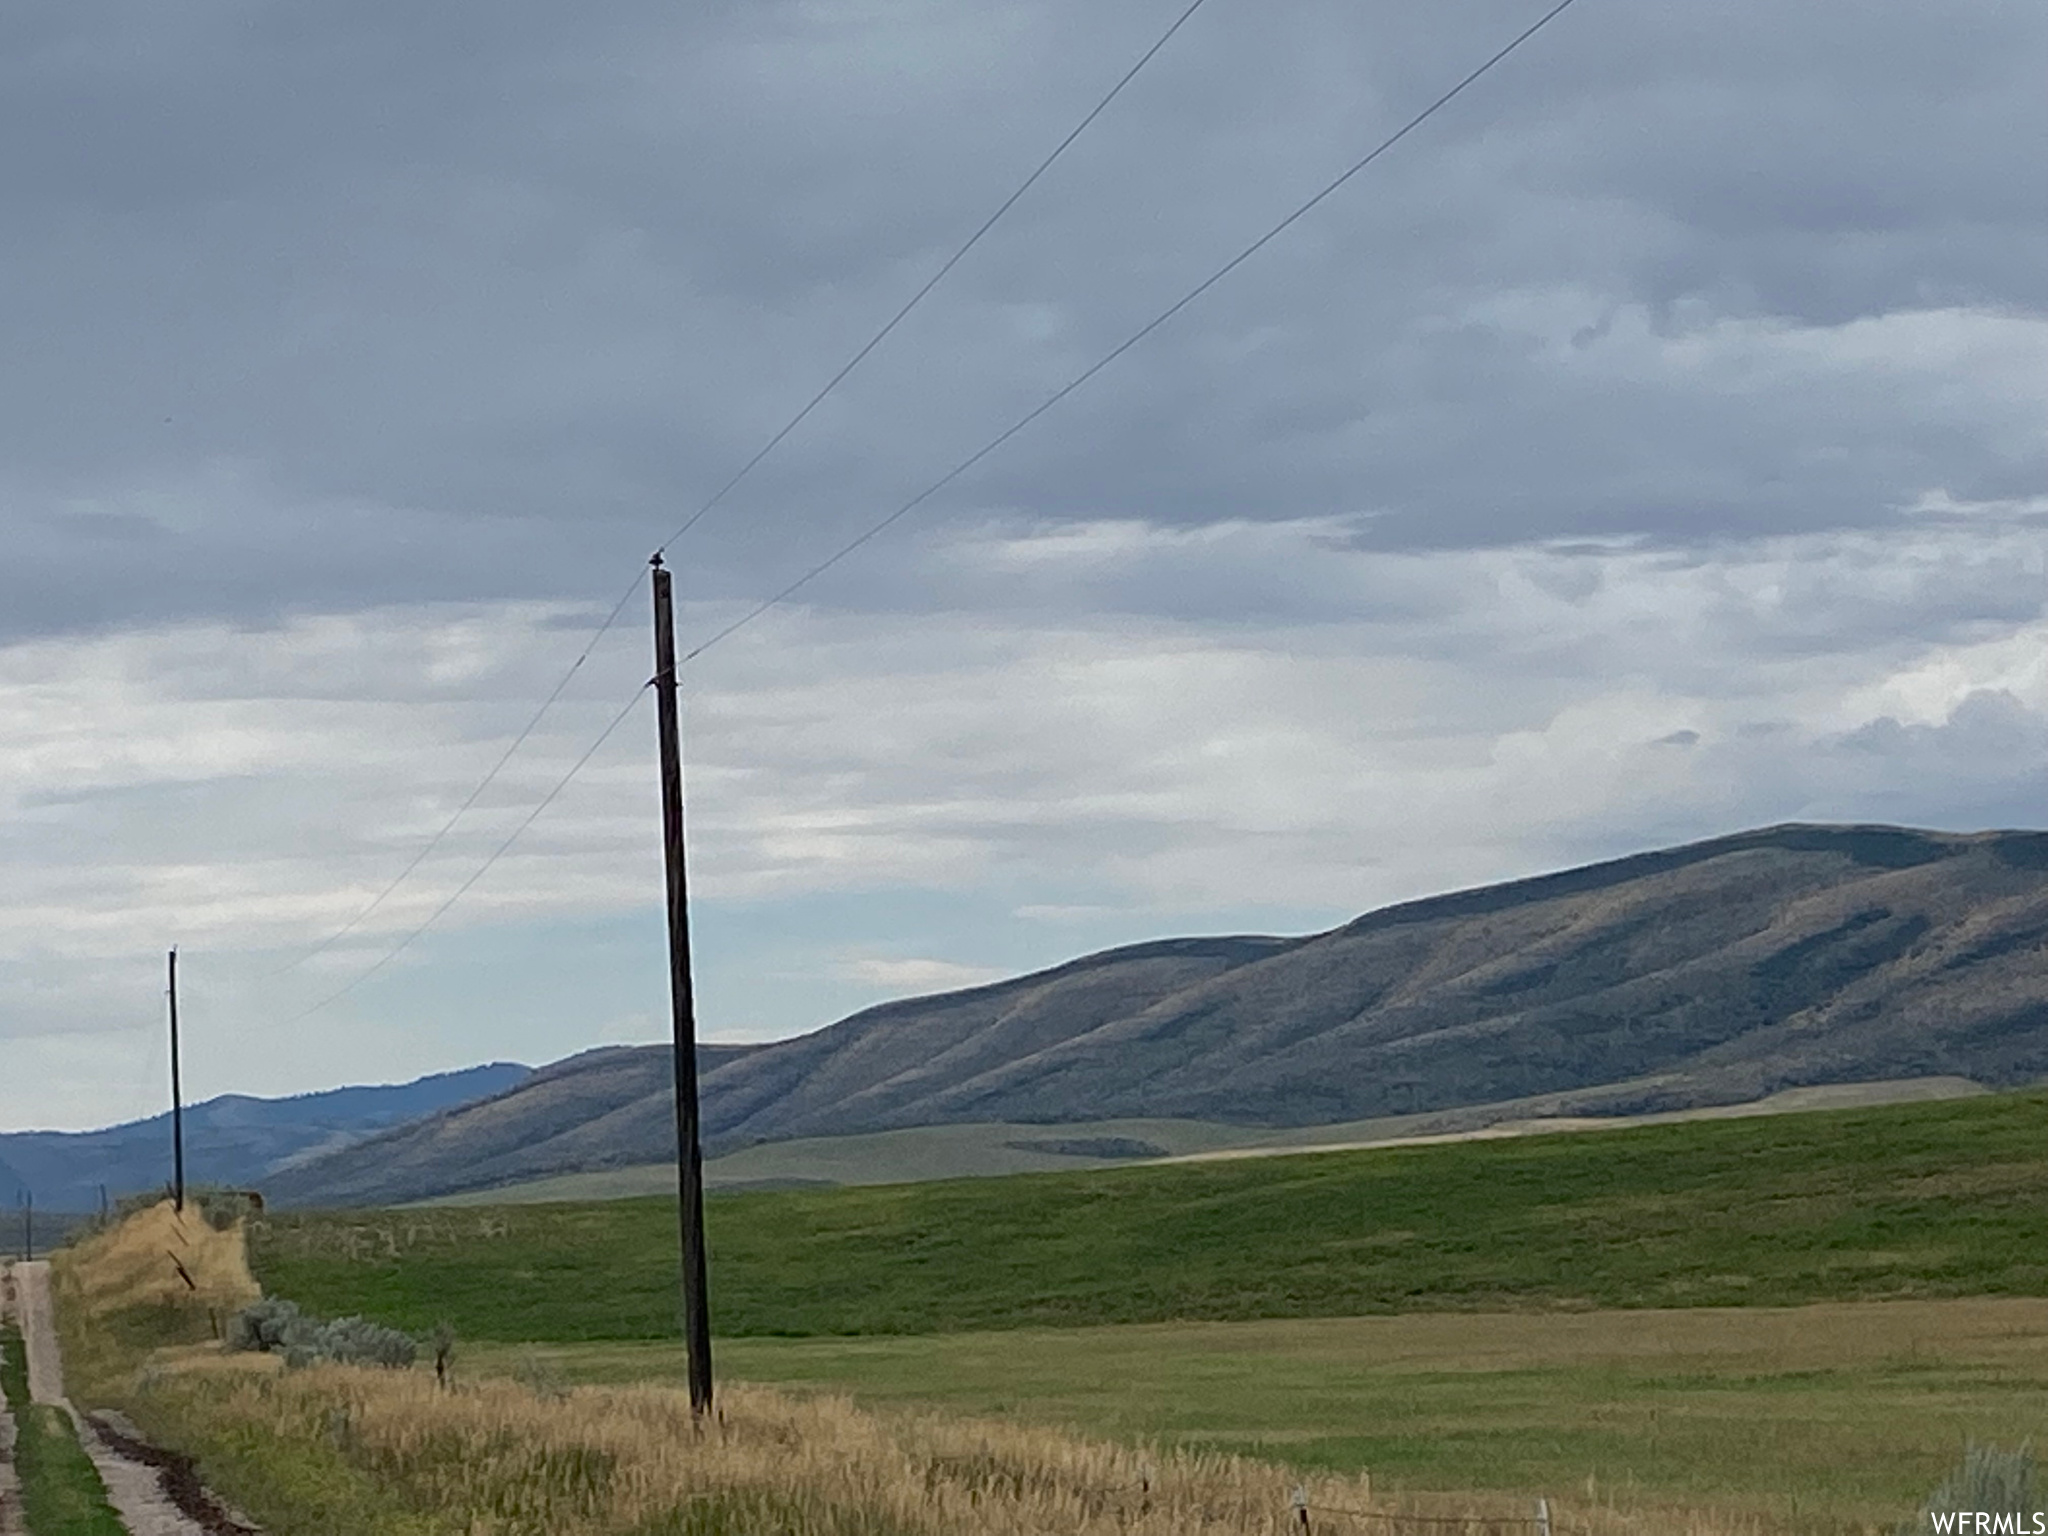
x=38 y=1323
x=138 y=1488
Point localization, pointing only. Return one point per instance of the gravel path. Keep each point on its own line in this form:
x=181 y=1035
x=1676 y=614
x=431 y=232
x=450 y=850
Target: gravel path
x=145 y=1486
x=39 y=1331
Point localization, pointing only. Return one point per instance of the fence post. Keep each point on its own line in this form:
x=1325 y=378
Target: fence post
x=1542 y=1517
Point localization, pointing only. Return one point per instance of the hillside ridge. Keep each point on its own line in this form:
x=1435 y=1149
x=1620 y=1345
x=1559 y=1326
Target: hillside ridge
x=1714 y=972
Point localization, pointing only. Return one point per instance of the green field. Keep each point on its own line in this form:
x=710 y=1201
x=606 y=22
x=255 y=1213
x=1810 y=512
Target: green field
x=1833 y=1413
x=1923 y=1200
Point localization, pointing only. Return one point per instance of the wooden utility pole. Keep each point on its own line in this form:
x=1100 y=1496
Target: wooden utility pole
x=177 y=1101
x=682 y=1000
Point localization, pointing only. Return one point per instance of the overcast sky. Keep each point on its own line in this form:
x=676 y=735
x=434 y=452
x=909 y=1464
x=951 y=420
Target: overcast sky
x=1650 y=446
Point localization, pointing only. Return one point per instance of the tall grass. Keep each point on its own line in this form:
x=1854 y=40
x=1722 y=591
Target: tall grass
x=498 y=1459
x=158 y=1277
x=160 y=1256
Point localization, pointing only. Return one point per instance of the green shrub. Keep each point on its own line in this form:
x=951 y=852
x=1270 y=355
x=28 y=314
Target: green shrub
x=266 y=1325
x=274 y=1325
x=352 y=1341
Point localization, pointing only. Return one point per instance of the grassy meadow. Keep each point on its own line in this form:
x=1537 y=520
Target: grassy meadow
x=337 y=1450
x=1784 y=1323
x=1766 y=1325
x=1834 y=1414
x=1942 y=1199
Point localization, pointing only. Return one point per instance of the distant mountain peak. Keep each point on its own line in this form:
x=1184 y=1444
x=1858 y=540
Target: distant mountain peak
x=234 y=1138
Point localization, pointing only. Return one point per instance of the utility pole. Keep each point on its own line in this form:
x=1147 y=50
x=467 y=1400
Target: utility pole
x=177 y=1101
x=683 y=1001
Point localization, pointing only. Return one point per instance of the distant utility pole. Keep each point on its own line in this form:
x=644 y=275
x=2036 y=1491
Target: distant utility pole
x=177 y=1100
x=683 y=1001
x=28 y=1225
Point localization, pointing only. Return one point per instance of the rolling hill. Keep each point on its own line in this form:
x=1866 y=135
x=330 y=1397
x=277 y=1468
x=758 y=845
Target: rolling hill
x=234 y=1139
x=1712 y=973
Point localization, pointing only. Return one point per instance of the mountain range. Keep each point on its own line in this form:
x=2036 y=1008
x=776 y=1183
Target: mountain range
x=1713 y=973
x=234 y=1139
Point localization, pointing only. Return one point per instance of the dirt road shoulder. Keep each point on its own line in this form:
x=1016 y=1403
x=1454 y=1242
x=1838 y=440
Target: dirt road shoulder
x=135 y=1480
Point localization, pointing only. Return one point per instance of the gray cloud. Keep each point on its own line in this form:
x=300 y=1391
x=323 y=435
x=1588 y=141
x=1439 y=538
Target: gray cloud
x=1651 y=444
x=879 y=798
x=479 y=304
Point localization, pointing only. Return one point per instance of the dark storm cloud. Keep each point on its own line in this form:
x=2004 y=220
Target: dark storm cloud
x=324 y=307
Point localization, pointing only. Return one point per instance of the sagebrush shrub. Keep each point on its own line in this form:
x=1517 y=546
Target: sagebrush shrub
x=353 y=1341
x=275 y=1325
x=265 y=1325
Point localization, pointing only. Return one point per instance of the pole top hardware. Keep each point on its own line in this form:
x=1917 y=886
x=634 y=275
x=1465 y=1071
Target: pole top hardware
x=655 y=559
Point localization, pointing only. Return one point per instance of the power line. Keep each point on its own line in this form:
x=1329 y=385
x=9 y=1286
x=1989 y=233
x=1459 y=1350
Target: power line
x=985 y=450
x=748 y=468
x=488 y=779
x=498 y=853
x=1127 y=343
x=939 y=276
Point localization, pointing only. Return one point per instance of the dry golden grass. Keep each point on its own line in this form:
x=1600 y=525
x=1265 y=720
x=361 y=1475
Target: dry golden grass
x=499 y=1459
x=155 y=1257
x=1828 y=1418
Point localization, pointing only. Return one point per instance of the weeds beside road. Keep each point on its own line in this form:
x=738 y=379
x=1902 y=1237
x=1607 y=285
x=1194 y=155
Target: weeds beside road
x=61 y=1494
